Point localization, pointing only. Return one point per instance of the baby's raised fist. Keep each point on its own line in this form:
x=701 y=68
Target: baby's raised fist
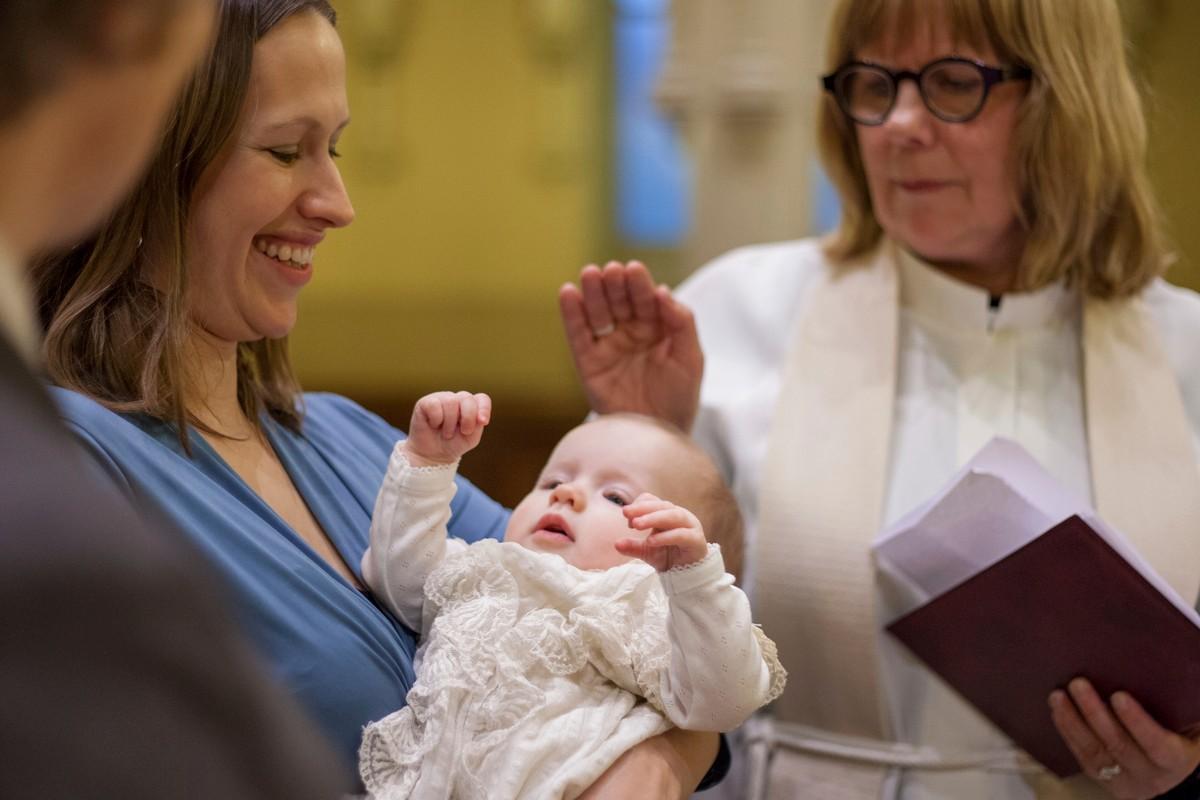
x=445 y=425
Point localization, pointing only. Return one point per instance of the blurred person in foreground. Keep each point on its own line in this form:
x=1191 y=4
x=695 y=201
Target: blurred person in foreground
x=996 y=271
x=167 y=332
x=121 y=674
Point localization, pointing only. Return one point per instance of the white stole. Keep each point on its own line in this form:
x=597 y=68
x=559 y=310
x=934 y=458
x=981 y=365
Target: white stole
x=824 y=482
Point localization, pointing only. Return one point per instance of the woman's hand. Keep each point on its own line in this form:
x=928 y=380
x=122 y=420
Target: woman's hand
x=635 y=347
x=1119 y=745
x=670 y=765
x=445 y=425
x=675 y=538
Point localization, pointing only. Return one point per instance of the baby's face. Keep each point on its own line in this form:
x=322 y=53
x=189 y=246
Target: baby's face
x=596 y=470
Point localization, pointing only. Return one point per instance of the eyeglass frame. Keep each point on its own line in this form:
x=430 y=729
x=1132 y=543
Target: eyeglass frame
x=991 y=76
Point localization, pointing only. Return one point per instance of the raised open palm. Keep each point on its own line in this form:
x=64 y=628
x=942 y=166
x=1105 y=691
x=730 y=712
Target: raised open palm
x=635 y=347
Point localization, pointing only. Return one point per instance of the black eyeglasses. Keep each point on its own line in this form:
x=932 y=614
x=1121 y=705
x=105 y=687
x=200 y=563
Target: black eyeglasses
x=953 y=89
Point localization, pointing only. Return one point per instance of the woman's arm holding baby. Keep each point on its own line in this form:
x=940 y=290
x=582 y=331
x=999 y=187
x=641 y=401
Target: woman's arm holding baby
x=408 y=526
x=670 y=765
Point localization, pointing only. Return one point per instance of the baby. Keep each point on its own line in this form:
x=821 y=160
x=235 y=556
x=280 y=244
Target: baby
x=602 y=619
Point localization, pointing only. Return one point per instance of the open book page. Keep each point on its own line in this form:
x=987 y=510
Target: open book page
x=999 y=501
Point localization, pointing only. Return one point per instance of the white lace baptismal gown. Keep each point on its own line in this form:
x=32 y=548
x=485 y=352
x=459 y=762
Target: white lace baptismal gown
x=533 y=676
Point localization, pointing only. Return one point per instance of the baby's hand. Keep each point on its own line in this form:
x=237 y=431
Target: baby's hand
x=676 y=538
x=444 y=426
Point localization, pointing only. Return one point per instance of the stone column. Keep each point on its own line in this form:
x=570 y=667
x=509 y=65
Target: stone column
x=743 y=81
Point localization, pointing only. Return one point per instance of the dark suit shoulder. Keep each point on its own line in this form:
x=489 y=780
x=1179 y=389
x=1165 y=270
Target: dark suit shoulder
x=123 y=675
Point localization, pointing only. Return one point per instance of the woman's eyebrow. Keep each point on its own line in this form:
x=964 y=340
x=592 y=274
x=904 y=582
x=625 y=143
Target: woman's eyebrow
x=304 y=120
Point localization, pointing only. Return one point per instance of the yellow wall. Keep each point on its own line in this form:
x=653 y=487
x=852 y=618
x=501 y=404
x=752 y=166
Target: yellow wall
x=479 y=168
x=1172 y=61
x=476 y=163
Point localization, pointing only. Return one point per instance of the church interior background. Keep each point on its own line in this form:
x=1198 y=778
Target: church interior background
x=499 y=145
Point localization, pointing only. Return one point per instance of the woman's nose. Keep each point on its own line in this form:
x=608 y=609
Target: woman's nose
x=327 y=199
x=568 y=494
x=909 y=117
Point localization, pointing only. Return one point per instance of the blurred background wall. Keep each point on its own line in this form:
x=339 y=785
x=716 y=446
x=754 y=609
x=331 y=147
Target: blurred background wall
x=1168 y=57
x=499 y=145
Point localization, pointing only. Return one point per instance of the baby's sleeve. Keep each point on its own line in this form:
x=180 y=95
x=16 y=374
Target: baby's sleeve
x=408 y=534
x=723 y=667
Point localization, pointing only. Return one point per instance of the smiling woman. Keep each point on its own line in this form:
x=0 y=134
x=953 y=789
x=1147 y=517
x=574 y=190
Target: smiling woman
x=180 y=231
x=253 y=251
x=167 y=333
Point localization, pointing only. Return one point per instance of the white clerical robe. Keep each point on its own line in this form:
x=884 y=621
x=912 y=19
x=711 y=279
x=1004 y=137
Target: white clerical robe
x=950 y=368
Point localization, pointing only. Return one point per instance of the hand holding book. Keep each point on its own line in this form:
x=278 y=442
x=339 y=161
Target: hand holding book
x=1119 y=744
x=1011 y=591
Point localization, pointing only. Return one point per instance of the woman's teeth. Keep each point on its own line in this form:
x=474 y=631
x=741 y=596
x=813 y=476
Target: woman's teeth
x=295 y=256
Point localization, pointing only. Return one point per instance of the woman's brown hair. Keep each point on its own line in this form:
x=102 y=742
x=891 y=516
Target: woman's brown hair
x=1083 y=196
x=120 y=337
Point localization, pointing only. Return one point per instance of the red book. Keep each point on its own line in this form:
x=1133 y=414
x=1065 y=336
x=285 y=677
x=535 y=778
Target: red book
x=1007 y=586
x=1062 y=605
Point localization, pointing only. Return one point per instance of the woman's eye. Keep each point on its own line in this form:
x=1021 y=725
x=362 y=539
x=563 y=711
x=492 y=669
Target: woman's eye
x=284 y=156
x=551 y=485
x=956 y=84
x=877 y=87
x=335 y=153
x=616 y=497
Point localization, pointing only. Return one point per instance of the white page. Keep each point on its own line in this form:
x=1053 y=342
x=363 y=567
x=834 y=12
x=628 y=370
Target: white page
x=1000 y=500
x=978 y=522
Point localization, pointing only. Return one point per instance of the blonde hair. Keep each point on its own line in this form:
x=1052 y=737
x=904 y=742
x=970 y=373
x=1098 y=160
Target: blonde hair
x=1083 y=196
x=707 y=495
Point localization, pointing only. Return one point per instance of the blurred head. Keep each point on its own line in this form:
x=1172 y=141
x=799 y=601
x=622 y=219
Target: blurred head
x=215 y=243
x=1046 y=182
x=90 y=83
x=602 y=466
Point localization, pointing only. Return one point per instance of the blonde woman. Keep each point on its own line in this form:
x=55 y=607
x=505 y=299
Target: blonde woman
x=996 y=271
